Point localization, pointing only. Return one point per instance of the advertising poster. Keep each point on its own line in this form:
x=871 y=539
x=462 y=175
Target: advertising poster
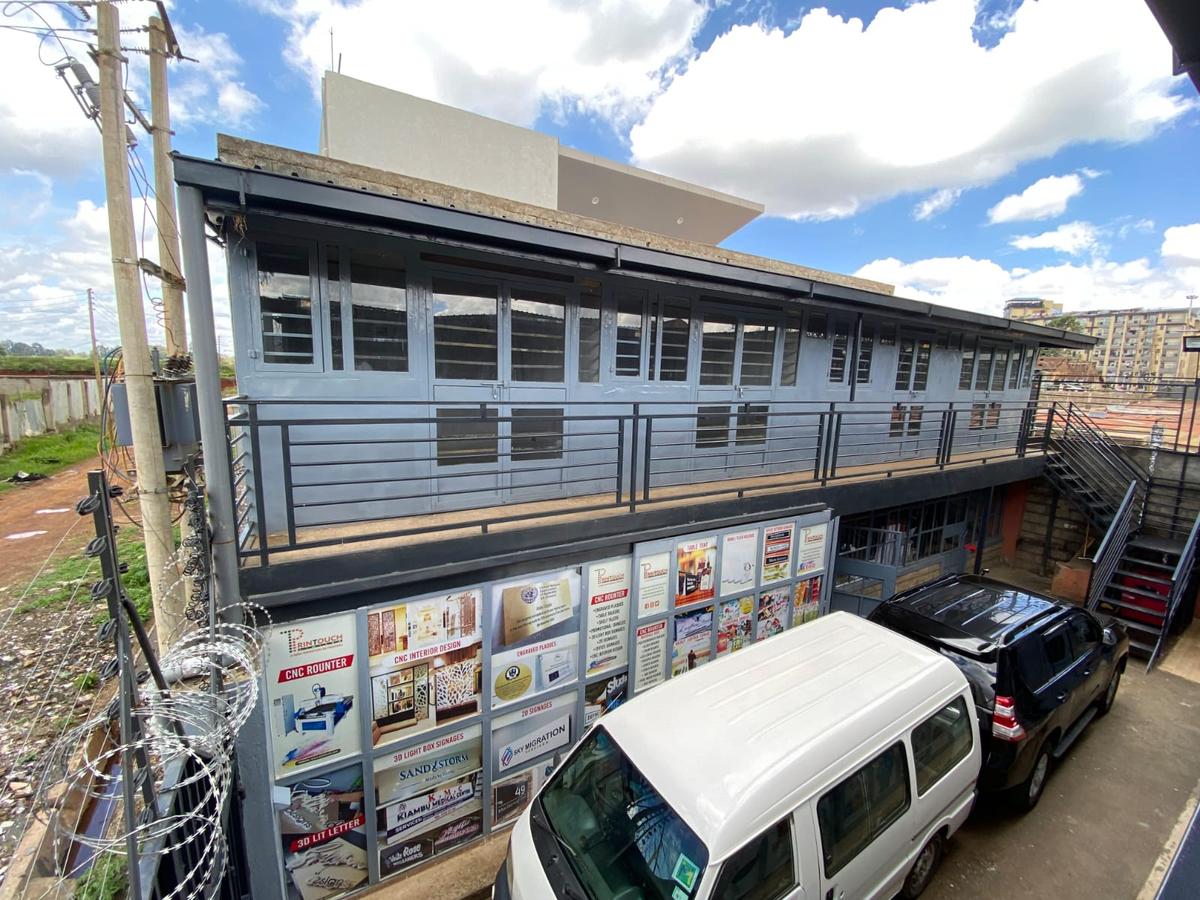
x=510 y=795
x=426 y=664
x=323 y=830
x=524 y=735
x=654 y=579
x=693 y=640
x=650 y=656
x=607 y=616
x=777 y=552
x=807 y=605
x=810 y=558
x=739 y=562
x=535 y=635
x=311 y=686
x=772 y=613
x=735 y=624
x=696 y=568
x=424 y=767
x=603 y=696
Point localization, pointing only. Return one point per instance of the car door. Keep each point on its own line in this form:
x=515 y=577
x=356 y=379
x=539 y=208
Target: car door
x=1087 y=644
x=864 y=827
x=1059 y=696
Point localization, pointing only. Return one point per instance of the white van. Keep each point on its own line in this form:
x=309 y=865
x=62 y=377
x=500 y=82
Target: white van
x=830 y=762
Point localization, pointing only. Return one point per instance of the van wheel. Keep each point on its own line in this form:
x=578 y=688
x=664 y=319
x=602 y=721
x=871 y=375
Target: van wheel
x=1111 y=693
x=1027 y=794
x=923 y=868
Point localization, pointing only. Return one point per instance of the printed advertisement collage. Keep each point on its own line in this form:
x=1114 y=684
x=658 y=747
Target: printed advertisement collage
x=402 y=731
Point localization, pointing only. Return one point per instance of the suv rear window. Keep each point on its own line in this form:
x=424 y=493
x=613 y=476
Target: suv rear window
x=1043 y=655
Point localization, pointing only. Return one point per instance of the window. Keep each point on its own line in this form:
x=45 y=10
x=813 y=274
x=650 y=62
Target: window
x=379 y=312
x=537 y=433
x=983 y=373
x=896 y=428
x=464 y=329
x=629 y=336
x=977 y=411
x=676 y=332
x=717 y=350
x=589 y=334
x=837 y=353
x=333 y=275
x=915 y=415
x=866 y=347
x=712 y=426
x=1014 y=375
x=993 y=415
x=285 y=303
x=921 y=369
x=967 y=370
x=862 y=807
x=466 y=436
x=758 y=354
x=940 y=743
x=817 y=324
x=1057 y=646
x=538 y=336
x=1085 y=634
x=904 y=363
x=752 y=424
x=1000 y=370
x=1030 y=365
x=762 y=870
x=791 y=353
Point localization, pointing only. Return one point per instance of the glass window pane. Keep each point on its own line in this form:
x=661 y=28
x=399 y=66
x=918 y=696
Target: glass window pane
x=1014 y=375
x=791 y=353
x=716 y=350
x=589 y=335
x=921 y=368
x=758 y=354
x=983 y=373
x=539 y=337
x=379 y=312
x=837 y=353
x=285 y=302
x=752 y=424
x=629 y=336
x=845 y=823
x=904 y=363
x=886 y=779
x=967 y=371
x=466 y=436
x=915 y=414
x=537 y=433
x=817 y=325
x=676 y=332
x=712 y=426
x=1000 y=370
x=866 y=349
x=896 y=428
x=762 y=870
x=940 y=743
x=464 y=329
x=333 y=276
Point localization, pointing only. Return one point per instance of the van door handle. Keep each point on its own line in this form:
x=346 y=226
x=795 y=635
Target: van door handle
x=835 y=893
x=1062 y=698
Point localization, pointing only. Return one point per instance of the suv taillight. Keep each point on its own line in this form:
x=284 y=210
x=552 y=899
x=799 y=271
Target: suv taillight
x=1004 y=720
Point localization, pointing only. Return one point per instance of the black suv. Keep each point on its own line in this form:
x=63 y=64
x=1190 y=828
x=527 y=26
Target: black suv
x=1040 y=670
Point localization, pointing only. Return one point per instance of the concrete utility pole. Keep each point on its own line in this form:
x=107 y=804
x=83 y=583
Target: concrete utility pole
x=139 y=377
x=164 y=191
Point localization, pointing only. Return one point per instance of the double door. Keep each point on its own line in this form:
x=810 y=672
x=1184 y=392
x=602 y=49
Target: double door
x=499 y=368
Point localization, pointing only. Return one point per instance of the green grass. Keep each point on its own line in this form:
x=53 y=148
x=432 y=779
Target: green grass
x=74 y=575
x=107 y=879
x=53 y=365
x=48 y=453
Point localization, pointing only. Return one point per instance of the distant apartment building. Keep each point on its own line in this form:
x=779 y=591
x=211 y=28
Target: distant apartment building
x=1133 y=343
x=1025 y=308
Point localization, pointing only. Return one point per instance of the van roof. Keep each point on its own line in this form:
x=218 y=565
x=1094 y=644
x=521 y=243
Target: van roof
x=738 y=743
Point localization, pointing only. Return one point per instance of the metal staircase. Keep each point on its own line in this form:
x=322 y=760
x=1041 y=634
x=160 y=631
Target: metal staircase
x=1143 y=572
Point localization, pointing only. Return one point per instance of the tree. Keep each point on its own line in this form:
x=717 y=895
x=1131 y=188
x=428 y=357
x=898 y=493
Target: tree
x=1066 y=322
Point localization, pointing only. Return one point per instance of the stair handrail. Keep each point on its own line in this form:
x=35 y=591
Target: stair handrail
x=1112 y=546
x=1179 y=581
x=1111 y=449
x=1188 y=555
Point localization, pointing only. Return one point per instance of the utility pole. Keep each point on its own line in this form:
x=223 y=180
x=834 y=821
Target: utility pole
x=95 y=349
x=164 y=191
x=139 y=378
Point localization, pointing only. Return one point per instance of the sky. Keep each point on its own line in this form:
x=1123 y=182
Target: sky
x=965 y=151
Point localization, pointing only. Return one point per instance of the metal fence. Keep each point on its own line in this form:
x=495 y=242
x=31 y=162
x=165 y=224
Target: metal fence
x=1147 y=412
x=310 y=474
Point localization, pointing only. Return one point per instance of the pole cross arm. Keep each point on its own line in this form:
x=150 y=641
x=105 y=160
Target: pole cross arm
x=153 y=268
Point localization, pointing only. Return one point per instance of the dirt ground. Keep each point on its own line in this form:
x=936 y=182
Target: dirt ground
x=47 y=506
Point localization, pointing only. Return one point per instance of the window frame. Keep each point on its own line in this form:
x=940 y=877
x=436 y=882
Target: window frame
x=466 y=277
x=318 y=308
x=345 y=296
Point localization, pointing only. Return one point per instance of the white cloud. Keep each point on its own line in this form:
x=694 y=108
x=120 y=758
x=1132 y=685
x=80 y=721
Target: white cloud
x=1071 y=237
x=836 y=115
x=1044 y=199
x=1181 y=244
x=508 y=60
x=936 y=203
x=982 y=285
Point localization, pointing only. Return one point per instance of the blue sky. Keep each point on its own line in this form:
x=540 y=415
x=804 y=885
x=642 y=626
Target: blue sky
x=964 y=151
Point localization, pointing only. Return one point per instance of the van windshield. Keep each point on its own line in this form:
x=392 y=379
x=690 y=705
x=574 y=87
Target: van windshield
x=621 y=838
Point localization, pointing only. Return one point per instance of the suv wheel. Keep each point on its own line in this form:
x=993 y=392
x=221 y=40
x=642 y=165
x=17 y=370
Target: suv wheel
x=1029 y=792
x=1111 y=693
x=923 y=868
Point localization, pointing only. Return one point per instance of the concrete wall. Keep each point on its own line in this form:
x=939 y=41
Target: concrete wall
x=1070 y=537
x=373 y=126
x=36 y=404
